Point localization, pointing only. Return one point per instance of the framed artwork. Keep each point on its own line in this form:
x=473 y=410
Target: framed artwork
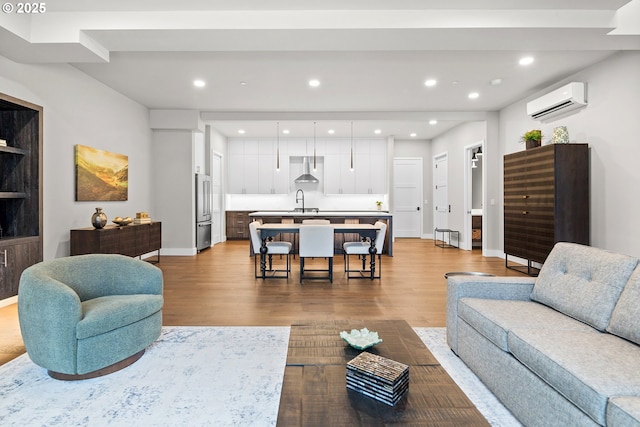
x=101 y=175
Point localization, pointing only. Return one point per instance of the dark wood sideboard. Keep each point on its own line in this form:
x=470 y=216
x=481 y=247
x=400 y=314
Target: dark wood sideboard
x=131 y=240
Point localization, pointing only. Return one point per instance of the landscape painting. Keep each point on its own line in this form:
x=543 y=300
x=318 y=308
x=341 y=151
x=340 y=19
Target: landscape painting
x=101 y=175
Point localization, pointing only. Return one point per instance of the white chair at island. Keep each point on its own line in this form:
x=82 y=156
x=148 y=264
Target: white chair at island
x=316 y=241
x=273 y=248
x=361 y=249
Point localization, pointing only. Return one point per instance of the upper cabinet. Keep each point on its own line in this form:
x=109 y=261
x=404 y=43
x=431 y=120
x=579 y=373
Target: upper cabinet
x=365 y=173
x=253 y=167
x=371 y=167
x=20 y=190
x=339 y=178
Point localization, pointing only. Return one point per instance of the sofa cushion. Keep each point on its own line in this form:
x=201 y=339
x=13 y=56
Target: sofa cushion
x=495 y=318
x=108 y=313
x=586 y=367
x=624 y=411
x=583 y=282
x=625 y=320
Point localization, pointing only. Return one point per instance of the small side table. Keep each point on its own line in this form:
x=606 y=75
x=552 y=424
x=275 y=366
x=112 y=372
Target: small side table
x=466 y=273
x=448 y=232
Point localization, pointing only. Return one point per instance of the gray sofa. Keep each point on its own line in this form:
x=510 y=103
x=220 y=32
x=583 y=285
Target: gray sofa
x=562 y=349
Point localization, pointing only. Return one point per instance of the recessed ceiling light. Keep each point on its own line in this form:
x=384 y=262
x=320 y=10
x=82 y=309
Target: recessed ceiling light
x=413 y=135
x=527 y=60
x=377 y=131
x=286 y=131
x=433 y=122
x=331 y=131
x=241 y=131
x=199 y=83
x=496 y=82
x=473 y=95
x=243 y=83
x=314 y=83
x=430 y=82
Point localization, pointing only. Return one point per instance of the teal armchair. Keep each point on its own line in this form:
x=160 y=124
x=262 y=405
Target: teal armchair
x=89 y=315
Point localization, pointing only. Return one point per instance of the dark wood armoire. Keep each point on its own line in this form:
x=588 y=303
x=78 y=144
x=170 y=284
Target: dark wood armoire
x=546 y=200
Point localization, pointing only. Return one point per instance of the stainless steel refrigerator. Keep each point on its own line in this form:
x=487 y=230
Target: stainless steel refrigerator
x=203 y=211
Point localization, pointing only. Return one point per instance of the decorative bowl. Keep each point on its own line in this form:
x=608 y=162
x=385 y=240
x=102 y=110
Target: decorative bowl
x=361 y=339
x=124 y=221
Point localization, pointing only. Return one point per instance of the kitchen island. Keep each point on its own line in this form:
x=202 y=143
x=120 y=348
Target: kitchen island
x=352 y=217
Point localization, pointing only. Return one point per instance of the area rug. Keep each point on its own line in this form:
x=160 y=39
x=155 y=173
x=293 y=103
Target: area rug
x=196 y=376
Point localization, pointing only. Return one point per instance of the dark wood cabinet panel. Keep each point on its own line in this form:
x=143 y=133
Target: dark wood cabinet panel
x=15 y=256
x=20 y=190
x=131 y=240
x=546 y=199
x=238 y=225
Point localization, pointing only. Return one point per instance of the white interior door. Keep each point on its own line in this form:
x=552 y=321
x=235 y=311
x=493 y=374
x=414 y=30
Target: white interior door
x=216 y=189
x=441 y=191
x=407 y=197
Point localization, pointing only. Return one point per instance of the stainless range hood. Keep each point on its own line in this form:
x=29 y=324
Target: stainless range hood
x=306 y=173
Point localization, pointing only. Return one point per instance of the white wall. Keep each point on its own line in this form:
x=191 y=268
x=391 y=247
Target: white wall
x=454 y=143
x=611 y=126
x=80 y=110
x=173 y=157
x=421 y=149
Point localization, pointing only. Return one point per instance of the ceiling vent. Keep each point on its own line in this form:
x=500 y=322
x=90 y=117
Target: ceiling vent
x=558 y=103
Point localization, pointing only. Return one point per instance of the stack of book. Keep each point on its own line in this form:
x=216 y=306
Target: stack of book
x=142 y=218
x=3 y=143
x=377 y=377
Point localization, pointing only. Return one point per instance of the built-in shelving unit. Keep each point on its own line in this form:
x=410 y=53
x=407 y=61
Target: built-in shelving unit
x=20 y=190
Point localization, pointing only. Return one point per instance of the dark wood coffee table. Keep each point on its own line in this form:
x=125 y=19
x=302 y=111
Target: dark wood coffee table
x=314 y=390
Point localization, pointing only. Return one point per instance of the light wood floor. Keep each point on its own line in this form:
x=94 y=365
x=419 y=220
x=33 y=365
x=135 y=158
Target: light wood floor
x=217 y=288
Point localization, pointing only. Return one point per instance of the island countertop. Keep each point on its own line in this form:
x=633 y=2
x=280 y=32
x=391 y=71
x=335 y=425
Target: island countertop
x=321 y=213
x=333 y=216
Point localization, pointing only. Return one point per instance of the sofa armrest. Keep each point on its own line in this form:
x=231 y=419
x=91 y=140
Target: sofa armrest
x=502 y=288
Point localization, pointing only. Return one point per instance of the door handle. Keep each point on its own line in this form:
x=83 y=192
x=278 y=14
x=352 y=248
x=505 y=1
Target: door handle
x=449 y=208
x=418 y=208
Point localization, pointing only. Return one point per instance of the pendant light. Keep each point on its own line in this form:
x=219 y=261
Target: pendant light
x=351 y=164
x=479 y=152
x=278 y=147
x=315 y=166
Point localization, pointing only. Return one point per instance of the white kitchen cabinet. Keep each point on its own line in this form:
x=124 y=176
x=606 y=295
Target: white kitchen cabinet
x=242 y=164
x=338 y=176
x=252 y=167
x=370 y=167
x=272 y=180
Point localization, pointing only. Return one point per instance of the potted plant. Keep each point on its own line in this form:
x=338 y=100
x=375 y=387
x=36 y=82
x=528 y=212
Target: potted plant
x=533 y=138
x=378 y=204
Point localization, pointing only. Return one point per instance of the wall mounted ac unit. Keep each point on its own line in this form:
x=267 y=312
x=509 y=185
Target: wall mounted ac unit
x=558 y=103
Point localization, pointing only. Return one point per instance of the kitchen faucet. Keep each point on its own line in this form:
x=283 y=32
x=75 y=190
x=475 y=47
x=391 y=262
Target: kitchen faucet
x=302 y=198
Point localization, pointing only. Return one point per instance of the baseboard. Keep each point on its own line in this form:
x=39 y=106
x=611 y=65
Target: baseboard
x=8 y=301
x=178 y=251
x=493 y=253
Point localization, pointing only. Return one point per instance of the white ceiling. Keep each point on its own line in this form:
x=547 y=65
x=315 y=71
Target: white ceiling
x=371 y=56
